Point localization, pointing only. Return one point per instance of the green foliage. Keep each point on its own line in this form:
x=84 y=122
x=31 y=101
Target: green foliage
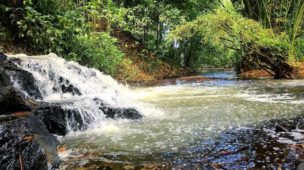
x=32 y=28
x=151 y=20
x=224 y=31
x=299 y=49
x=66 y=28
x=185 y=33
x=279 y=15
x=98 y=50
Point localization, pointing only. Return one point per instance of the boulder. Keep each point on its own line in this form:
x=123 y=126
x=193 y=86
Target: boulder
x=11 y=101
x=3 y=57
x=59 y=118
x=67 y=87
x=25 y=79
x=59 y=121
x=115 y=112
x=4 y=78
x=123 y=113
x=26 y=144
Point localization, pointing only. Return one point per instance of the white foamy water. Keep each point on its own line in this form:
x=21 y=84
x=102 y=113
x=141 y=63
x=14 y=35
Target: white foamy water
x=61 y=81
x=51 y=72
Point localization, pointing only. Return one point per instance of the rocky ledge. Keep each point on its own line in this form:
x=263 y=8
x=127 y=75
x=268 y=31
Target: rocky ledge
x=27 y=127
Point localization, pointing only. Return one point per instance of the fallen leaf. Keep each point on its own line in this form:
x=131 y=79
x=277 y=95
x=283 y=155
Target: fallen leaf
x=21 y=114
x=61 y=149
x=28 y=138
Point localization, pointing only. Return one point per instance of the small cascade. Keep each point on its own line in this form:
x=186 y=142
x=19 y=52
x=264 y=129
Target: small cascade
x=83 y=95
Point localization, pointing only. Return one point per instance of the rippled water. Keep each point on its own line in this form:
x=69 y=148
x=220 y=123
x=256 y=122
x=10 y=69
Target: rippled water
x=181 y=116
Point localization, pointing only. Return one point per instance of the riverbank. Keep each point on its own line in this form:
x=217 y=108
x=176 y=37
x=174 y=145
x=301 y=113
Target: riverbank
x=263 y=74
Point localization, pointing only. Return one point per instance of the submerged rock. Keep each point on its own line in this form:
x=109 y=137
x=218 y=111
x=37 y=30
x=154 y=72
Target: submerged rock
x=59 y=121
x=26 y=144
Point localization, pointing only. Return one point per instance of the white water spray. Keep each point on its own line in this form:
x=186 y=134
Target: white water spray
x=61 y=81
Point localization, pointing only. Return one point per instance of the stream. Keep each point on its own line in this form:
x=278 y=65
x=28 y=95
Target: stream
x=212 y=121
x=184 y=115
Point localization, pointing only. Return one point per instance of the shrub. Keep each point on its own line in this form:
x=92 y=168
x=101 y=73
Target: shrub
x=98 y=50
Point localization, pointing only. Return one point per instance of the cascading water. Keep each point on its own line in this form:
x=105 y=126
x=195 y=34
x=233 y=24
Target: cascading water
x=77 y=88
x=220 y=121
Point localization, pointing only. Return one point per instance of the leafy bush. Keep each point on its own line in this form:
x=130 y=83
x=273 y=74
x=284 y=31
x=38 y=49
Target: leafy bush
x=299 y=49
x=30 y=27
x=65 y=28
x=225 y=31
x=98 y=50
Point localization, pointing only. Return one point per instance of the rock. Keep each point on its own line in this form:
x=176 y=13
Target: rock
x=24 y=78
x=2 y=57
x=59 y=118
x=300 y=166
x=56 y=119
x=4 y=78
x=124 y=113
x=67 y=87
x=11 y=101
x=113 y=112
x=70 y=89
x=26 y=144
x=280 y=128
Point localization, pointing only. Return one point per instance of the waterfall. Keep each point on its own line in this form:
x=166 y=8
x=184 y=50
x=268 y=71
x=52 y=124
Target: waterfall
x=77 y=88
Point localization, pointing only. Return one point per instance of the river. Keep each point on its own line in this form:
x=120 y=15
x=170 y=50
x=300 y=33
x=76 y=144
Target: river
x=182 y=120
x=210 y=121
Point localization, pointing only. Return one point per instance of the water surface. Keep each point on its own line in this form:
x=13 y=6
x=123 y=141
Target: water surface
x=181 y=116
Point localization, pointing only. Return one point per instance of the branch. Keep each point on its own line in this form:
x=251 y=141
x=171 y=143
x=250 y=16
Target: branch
x=233 y=48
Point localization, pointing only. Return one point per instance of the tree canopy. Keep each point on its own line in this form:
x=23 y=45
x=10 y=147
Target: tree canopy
x=181 y=33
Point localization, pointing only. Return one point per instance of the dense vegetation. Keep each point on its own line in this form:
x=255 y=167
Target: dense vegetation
x=123 y=37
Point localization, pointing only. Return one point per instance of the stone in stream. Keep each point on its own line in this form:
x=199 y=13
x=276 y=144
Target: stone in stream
x=67 y=87
x=25 y=79
x=26 y=144
x=11 y=101
x=114 y=112
x=59 y=121
x=4 y=78
x=123 y=113
x=2 y=57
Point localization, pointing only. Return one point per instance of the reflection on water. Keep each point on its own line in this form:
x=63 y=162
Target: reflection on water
x=222 y=75
x=181 y=117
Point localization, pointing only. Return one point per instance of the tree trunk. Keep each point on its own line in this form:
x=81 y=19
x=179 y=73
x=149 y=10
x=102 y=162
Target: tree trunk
x=270 y=59
x=188 y=55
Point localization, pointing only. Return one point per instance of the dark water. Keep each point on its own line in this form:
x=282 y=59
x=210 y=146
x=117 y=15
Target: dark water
x=221 y=123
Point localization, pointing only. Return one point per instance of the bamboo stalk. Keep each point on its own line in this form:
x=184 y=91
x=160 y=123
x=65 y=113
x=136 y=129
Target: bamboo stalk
x=297 y=24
